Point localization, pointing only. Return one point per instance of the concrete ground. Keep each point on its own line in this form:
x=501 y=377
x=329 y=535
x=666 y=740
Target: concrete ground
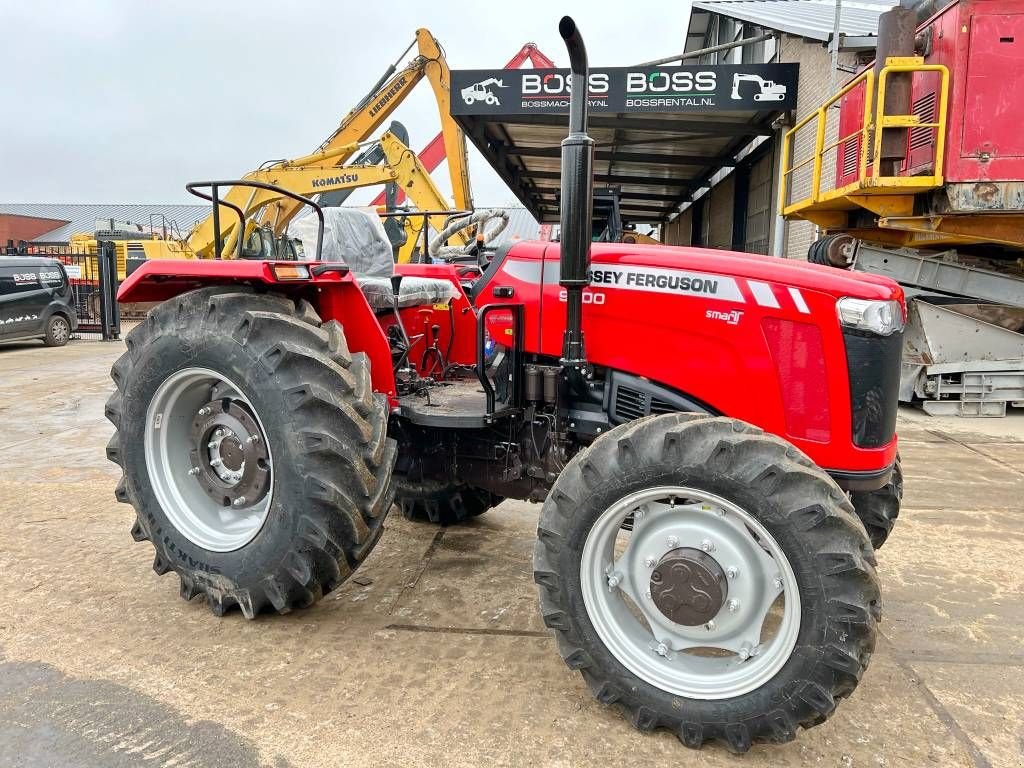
x=435 y=653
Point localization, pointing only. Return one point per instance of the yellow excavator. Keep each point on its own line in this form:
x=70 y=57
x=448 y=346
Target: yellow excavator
x=267 y=215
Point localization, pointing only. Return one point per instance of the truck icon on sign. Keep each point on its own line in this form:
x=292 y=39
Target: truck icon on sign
x=482 y=92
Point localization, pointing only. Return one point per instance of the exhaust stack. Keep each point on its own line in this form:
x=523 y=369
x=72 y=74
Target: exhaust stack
x=576 y=210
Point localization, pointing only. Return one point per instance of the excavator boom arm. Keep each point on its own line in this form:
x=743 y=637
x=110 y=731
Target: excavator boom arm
x=414 y=178
x=356 y=127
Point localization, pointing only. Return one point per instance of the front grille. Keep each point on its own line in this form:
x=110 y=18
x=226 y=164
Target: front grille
x=659 y=406
x=633 y=397
x=629 y=404
x=873 y=365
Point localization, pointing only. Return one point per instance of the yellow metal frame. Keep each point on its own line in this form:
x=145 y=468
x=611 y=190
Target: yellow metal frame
x=873 y=123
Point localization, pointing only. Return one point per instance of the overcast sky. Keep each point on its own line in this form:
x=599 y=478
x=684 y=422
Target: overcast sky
x=125 y=101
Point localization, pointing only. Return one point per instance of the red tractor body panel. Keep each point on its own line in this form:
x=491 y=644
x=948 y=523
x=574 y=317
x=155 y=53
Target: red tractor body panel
x=336 y=296
x=752 y=337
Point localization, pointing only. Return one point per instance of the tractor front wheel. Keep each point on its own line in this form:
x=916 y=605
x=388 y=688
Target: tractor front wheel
x=252 y=448
x=742 y=602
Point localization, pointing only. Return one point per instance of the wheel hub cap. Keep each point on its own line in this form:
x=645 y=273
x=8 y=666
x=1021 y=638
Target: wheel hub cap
x=688 y=586
x=208 y=459
x=229 y=456
x=696 y=597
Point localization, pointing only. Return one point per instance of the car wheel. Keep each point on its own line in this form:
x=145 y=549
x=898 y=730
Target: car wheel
x=58 y=331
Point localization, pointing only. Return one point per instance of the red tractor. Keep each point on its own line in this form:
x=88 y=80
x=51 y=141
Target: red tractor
x=715 y=457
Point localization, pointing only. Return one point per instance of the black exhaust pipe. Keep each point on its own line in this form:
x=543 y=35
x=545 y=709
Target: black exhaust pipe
x=576 y=210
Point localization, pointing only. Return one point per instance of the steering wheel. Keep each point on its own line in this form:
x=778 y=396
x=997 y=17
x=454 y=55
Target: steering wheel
x=438 y=249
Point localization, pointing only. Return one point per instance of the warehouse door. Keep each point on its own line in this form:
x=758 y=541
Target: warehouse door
x=759 y=206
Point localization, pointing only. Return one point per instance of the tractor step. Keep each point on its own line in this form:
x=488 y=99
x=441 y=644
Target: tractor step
x=456 y=404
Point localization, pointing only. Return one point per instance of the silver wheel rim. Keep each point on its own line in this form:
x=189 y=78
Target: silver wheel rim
x=726 y=657
x=170 y=463
x=60 y=330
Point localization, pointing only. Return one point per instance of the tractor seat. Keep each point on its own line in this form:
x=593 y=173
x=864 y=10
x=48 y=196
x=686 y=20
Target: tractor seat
x=414 y=292
x=356 y=237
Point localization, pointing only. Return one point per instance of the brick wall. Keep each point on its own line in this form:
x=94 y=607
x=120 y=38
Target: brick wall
x=13 y=227
x=678 y=231
x=720 y=211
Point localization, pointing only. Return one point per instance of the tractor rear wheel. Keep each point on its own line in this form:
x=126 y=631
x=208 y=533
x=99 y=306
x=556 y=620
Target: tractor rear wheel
x=441 y=503
x=879 y=509
x=742 y=604
x=252 y=448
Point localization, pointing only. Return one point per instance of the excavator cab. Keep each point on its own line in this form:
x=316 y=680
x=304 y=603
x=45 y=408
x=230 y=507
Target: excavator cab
x=262 y=244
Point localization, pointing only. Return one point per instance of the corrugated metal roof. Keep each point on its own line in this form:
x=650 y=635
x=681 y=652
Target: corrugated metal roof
x=521 y=225
x=813 y=19
x=81 y=217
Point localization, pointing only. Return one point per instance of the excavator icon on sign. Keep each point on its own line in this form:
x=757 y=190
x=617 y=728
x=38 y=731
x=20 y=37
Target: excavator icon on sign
x=482 y=92
x=769 y=90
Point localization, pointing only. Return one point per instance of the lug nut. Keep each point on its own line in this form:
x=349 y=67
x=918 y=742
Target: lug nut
x=662 y=649
x=733 y=605
x=204 y=411
x=707 y=545
x=745 y=652
x=732 y=571
x=672 y=541
x=239 y=502
x=613 y=580
x=194 y=471
x=253 y=439
x=710 y=626
x=219 y=433
x=777 y=582
x=647 y=594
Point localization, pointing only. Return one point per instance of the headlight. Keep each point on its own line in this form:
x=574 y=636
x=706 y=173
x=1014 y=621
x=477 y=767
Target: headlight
x=882 y=317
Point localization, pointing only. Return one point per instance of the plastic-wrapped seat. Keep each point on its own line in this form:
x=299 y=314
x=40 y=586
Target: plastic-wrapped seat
x=414 y=291
x=356 y=237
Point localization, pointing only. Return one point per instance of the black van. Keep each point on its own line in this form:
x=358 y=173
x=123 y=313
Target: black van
x=35 y=301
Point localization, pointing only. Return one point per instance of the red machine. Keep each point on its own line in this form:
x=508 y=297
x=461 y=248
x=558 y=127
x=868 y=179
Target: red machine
x=712 y=435
x=941 y=108
x=980 y=42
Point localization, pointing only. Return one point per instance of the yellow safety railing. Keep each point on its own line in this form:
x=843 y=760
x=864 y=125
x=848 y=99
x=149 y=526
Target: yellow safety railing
x=873 y=122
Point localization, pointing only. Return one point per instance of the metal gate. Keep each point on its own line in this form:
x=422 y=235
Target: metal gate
x=94 y=283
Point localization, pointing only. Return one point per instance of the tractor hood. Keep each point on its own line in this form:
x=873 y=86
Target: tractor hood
x=788 y=272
